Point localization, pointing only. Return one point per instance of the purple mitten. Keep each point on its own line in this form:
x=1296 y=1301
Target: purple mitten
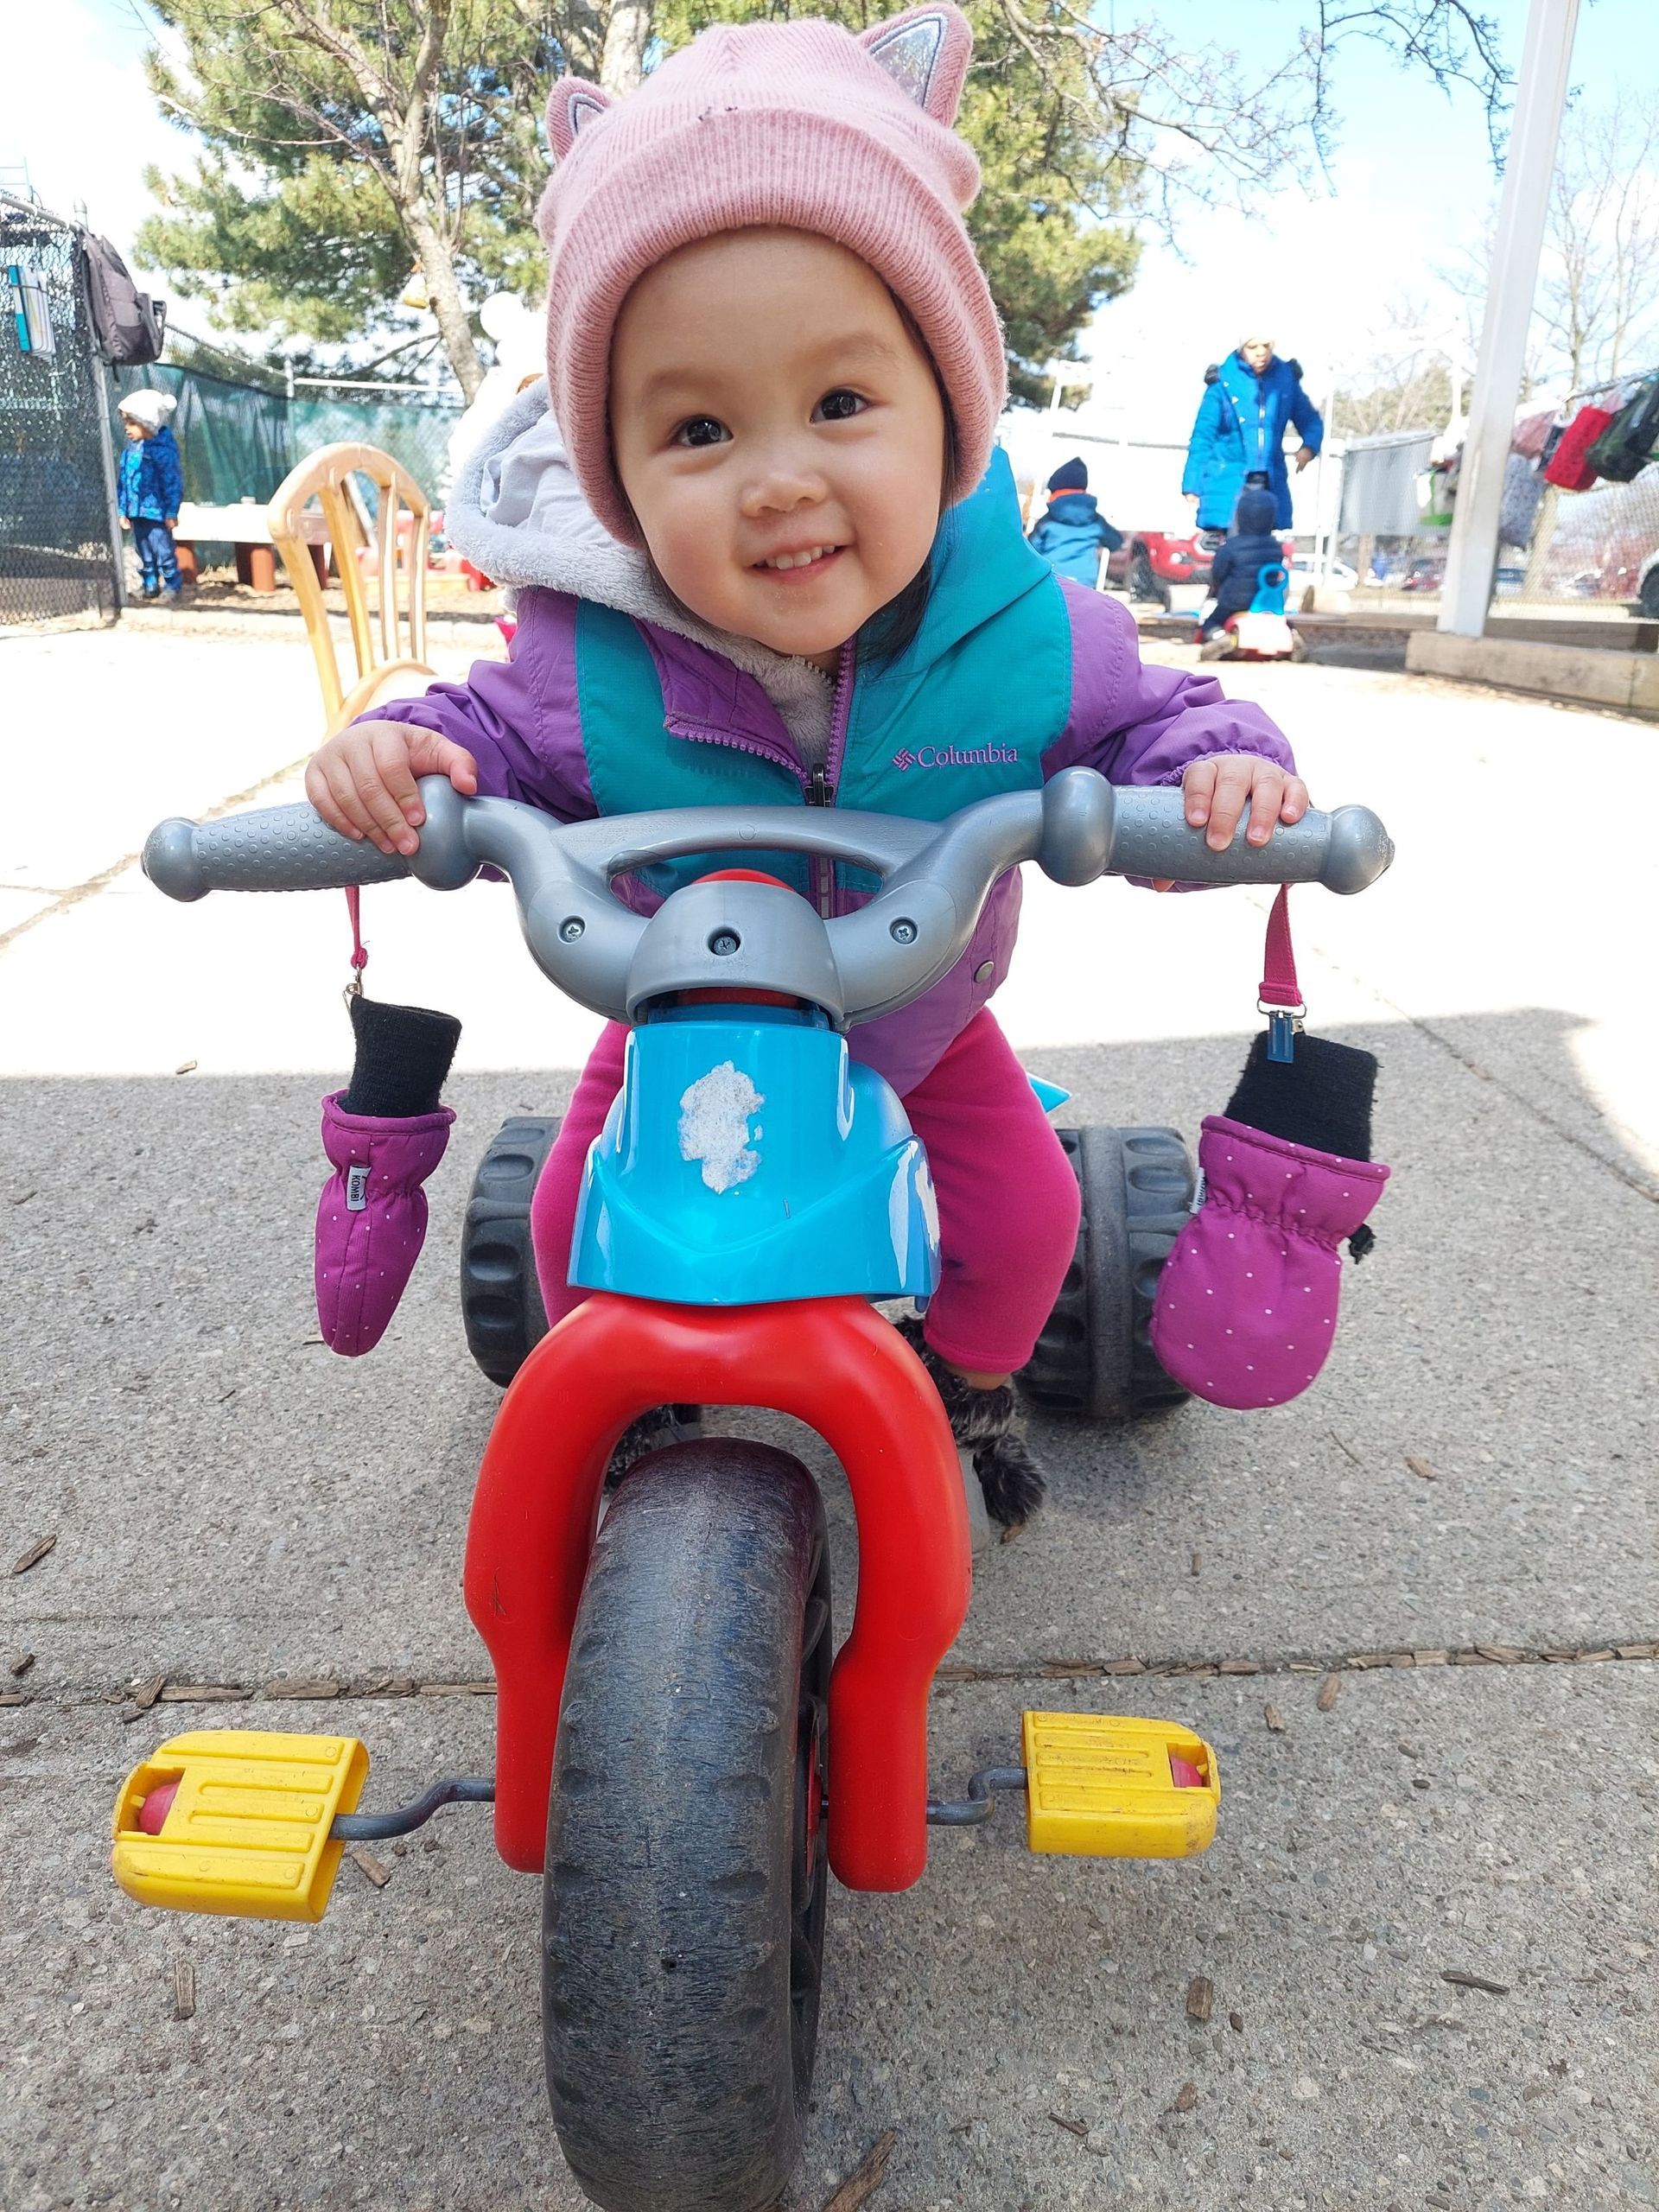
x=1247 y=1302
x=372 y=1217
x=384 y=1137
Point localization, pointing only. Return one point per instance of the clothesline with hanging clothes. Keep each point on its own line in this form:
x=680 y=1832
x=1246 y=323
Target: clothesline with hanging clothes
x=1574 y=444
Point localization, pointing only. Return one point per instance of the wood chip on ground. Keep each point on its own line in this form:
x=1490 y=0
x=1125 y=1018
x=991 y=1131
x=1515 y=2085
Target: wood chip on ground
x=1241 y=1666
x=204 y=1694
x=36 y=1552
x=1072 y=2127
x=1195 y=1562
x=1275 y=1719
x=1502 y=1654
x=1186 y=2097
x=20 y=1663
x=184 y=1990
x=301 y=1690
x=376 y=1868
x=1200 y=1998
x=1124 y=1667
x=1460 y=1979
x=866 y=2177
x=1236 y=2022
x=454 y=1689
x=1330 y=1691
x=1425 y=1468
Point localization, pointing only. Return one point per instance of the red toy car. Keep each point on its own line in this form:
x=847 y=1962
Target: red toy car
x=1150 y=561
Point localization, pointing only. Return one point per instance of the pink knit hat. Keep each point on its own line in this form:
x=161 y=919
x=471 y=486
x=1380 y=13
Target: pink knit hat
x=797 y=126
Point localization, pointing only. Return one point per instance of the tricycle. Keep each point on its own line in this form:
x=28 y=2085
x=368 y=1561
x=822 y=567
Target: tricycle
x=682 y=1753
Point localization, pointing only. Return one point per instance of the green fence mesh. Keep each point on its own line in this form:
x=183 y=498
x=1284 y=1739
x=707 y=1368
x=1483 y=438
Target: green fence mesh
x=237 y=441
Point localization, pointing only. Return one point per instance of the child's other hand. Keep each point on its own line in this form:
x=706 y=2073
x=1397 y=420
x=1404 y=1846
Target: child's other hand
x=362 y=782
x=126 y=522
x=1218 y=788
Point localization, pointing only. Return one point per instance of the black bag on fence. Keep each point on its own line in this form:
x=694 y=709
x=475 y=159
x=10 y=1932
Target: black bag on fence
x=1625 y=447
x=128 y=324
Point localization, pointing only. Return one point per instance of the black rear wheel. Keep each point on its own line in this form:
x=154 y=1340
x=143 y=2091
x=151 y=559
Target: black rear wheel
x=1144 y=583
x=501 y=1300
x=1094 y=1355
x=683 y=1905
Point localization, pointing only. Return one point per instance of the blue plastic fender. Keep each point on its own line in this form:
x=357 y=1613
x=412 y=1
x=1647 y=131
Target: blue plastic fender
x=749 y=1159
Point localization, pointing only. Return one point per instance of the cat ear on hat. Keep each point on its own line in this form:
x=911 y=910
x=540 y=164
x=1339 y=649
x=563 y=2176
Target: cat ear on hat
x=572 y=106
x=926 y=51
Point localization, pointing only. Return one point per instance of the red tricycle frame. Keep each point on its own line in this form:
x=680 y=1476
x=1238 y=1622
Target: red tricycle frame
x=833 y=1363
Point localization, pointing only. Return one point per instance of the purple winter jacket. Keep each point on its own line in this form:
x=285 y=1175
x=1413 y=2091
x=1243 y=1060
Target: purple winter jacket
x=1136 y=724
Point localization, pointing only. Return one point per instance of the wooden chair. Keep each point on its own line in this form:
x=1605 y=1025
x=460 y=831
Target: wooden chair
x=390 y=648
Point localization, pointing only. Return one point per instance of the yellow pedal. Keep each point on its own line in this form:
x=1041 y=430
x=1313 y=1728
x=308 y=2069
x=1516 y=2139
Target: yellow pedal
x=1105 y=1788
x=236 y=1820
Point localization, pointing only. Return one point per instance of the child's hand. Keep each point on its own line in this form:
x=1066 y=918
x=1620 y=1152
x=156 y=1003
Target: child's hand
x=362 y=782
x=1218 y=788
x=126 y=522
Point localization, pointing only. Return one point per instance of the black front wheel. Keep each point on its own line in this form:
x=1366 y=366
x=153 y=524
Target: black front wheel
x=684 y=1904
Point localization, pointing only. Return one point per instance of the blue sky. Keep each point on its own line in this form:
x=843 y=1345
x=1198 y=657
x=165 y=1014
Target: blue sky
x=1411 y=178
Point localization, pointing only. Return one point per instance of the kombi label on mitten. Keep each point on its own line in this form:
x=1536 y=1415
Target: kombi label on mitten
x=357 y=1189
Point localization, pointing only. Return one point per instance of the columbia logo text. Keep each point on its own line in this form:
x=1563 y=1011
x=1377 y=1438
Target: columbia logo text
x=955 y=756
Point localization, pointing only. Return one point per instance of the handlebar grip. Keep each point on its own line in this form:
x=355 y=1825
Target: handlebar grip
x=1345 y=849
x=276 y=848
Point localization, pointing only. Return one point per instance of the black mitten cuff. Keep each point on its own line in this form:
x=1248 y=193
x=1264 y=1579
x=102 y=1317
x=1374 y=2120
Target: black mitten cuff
x=404 y=1056
x=1322 y=1099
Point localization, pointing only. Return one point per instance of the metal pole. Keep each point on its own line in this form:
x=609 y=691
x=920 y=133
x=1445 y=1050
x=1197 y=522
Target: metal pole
x=1528 y=170
x=102 y=396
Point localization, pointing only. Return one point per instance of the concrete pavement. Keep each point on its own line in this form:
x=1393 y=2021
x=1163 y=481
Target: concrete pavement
x=233 y=1507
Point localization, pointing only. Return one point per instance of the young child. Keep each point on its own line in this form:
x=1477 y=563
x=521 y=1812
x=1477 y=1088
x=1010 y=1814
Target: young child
x=150 y=487
x=764 y=553
x=1071 y=533
x=1237 y=569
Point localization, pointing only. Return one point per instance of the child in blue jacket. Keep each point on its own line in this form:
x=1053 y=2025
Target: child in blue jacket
x=1237 y=569
x=1073 y=533
x=150 y=487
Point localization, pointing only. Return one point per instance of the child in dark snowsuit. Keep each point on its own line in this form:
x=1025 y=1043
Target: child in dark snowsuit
x=1253 y=545
x=1071 y=534
x=150 y=487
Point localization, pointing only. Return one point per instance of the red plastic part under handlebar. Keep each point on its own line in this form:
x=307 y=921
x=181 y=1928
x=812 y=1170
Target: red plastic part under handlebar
x=534 y=1513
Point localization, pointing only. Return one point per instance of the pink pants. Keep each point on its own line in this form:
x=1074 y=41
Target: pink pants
x=1008 y=1201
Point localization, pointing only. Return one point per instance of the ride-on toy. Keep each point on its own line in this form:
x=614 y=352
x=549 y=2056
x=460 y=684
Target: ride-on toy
x=1261 y=632
x=681 y=1752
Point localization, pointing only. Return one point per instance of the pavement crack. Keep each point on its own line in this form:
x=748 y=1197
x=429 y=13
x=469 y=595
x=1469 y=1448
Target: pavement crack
x=141 y=1692
x=63 y=901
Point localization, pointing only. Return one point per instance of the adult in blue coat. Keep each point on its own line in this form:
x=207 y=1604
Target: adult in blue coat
x=1073 y=532
x=1238 y=440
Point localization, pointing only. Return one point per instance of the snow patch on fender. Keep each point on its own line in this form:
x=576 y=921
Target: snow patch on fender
x=714 y=1114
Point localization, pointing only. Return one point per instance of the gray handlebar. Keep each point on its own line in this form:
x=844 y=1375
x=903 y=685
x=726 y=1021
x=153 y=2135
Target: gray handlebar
x=279 y=848
x=722 y=935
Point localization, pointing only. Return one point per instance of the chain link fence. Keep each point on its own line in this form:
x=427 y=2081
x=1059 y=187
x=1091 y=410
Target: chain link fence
x=57 y=547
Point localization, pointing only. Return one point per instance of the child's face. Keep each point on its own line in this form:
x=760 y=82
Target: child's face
x=134 y=430
x=767 y=401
